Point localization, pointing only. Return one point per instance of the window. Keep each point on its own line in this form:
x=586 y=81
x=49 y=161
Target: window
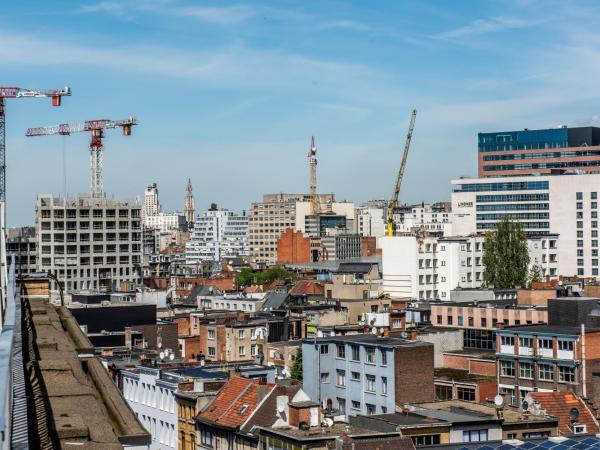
x=341 y=378
x=355 y=404
x=355 y=376
x=211 y=334
x=370 y=409
x=207 y=438
x=370 y=384
x=241 y=334
x=545 y=372
x=341 y=405
x=525 y=370
x=443 y=392
x=384 y=385
x=507 y=340
x=341 y=351
x=475 y=436
x=253 y=350
x=507 y=368
x=383 y=358
x=525 y=342
x=355 y=352
x=483 y=322
x=324 y=349
x=466 y=394
x=426 y=440
x=579 y=195
x=460 y=321
x=370 y=351
x=566 y=374
x=545 y=343
x=242 y=350
x=211 y=351
x=565 y=345
x=325 y=377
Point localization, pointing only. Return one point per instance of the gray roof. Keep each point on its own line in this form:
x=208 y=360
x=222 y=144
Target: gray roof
x=370 y=339
x=354 y=267
x=274 y=300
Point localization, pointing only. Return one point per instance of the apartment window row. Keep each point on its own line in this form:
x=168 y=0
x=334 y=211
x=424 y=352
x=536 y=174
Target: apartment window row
x=545 y=372
x=355 y=353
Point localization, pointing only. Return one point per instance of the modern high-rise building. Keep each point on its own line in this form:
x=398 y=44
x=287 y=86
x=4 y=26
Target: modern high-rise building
x=91 y=243
x=217 y=234
x=562 y=204
x=278 y=212
x=529 y=152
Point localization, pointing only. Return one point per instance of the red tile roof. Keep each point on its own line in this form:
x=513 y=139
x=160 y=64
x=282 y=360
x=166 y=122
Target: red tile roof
x=235 y=402
x=559 y=404
x=307 y=287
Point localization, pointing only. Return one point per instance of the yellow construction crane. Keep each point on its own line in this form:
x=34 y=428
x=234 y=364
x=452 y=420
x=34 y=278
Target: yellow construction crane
x=393 y=203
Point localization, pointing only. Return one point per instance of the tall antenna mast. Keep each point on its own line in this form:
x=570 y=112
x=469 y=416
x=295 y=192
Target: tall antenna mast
x=312 y=165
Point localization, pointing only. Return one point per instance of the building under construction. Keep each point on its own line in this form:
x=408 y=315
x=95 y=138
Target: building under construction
x=89 y=242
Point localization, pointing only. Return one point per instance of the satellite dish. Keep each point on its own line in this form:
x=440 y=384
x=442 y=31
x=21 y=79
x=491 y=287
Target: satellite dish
x=525 y=405
x=162 y=355
x=172 y=356
x=498 y=400
x=574 y=414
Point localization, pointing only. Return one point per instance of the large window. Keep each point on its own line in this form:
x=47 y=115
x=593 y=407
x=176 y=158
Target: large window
x=546 y=372
x=475 y=436
x=370 y=352
x=465 y=393
x=341 y=351
x=207 y=438
x=565 y=345
x=525 y=370
x=324 y=349
x=443 y=392
x=566 y=374
x=525 y=342
x=384 y=389
x=507 y=368
x=426 y=440
x=545 y=343
x=341 y=378
x=355 y=352
x=507 y=340
x=355 y=376
x=383 y=357
x=211 y=334
x=370 y=383
x=325 y=377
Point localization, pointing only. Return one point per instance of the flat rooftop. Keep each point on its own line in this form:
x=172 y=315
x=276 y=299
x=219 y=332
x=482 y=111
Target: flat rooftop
x=547 y=329
x=370 y=339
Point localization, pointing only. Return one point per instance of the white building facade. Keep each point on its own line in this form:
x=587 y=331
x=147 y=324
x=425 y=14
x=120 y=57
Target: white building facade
x=370 y=221
x=217 y=234
x=153 y=401
x=429 y=268
x=565 y=205
x=151 y=206
x=165 y=221
x=432 y=218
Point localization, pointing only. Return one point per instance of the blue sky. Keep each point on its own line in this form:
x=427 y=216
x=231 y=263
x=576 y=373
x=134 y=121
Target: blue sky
x=229 y=93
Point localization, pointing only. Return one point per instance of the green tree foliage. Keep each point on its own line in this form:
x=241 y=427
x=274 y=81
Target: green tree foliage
x=297 y=367
x=506 y=256
x=535 y=274
x=247 y=276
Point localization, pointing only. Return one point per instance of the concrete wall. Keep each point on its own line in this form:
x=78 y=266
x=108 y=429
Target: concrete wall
x=444 y=341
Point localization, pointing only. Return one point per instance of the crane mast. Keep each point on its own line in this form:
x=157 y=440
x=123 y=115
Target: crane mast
x=312 y=166
x=17 y=92
x=96 y=128
x=393 y=203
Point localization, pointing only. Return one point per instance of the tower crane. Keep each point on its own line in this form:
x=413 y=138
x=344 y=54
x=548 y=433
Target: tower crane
x=393 y=203
x=96 y=128
x=17 y=92
x=315 y=207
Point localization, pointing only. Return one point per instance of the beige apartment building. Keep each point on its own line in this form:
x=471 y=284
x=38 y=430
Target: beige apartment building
x=279 y=212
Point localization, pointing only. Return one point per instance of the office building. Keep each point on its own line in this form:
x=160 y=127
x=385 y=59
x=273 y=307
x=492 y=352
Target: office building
x=217 y=234
x=430 y=267
x=165 y=222
x=91 y=243
x=529 y=152
x=367 y=374
x=151 y=205
x=434 y=219
x=565 y=205
x=370 y=220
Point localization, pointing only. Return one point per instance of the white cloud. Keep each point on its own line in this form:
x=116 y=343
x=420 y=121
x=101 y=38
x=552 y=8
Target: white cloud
x=483 y=26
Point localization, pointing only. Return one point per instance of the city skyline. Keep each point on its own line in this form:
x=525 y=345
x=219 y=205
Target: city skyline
x=228 y=94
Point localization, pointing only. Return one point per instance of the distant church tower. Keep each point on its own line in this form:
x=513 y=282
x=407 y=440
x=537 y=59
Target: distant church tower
x=190 y=206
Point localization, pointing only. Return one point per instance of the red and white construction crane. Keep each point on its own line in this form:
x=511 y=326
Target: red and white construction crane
x=17 y=92
x=96 y=128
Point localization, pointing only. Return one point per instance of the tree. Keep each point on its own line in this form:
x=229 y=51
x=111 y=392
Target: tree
x=247 y=276
x=296 y=373
x=535 y=274
x=506 y=256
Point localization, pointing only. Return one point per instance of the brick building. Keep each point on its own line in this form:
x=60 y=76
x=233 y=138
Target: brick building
x=293 y=248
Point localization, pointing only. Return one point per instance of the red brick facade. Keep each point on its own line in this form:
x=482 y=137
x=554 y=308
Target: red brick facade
x=293 y=248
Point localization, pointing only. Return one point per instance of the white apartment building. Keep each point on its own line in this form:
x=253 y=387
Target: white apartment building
x=370 y=221
x=165 y=221
x=430 y=268
x=565 y=205
x=278 y=212
x=151 y=206
x=91 y=243
x=434 y=219
x=152 y=399
x=217 y=234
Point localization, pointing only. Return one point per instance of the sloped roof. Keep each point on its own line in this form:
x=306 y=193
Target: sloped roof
x=354 y=267
x=203 y=290
x=266 y=414
x=235 y=402
x=274 y=300
x=307 y=287
x=559 y=404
